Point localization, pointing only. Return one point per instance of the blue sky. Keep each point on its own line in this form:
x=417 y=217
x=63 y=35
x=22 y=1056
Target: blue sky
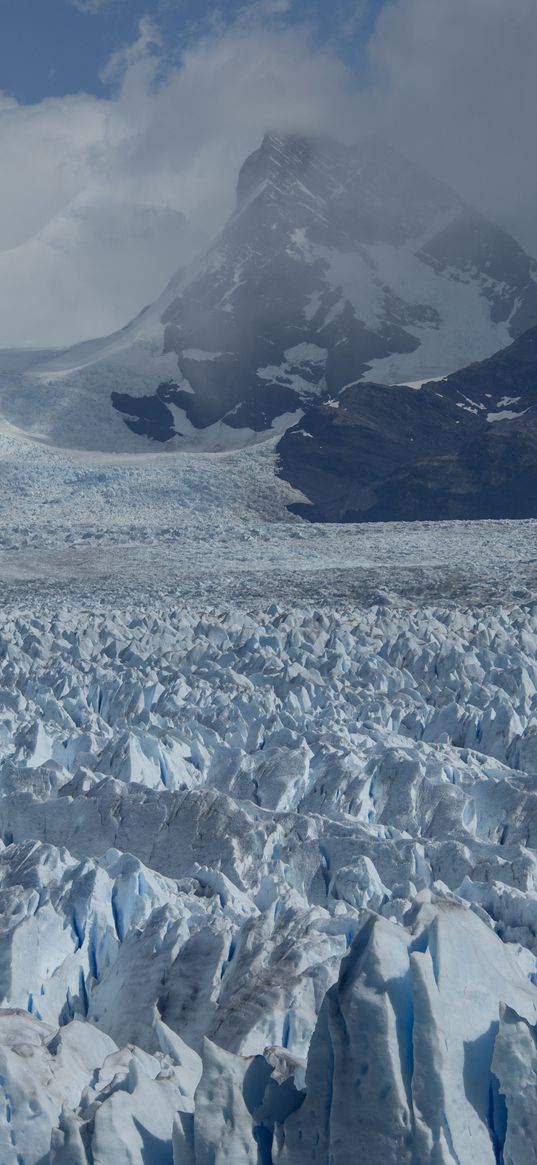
x=55 y=47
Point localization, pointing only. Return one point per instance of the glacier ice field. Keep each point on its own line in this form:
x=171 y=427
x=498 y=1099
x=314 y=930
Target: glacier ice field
x=268 y=812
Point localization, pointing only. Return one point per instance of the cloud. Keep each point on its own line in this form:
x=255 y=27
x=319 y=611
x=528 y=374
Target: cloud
x=269 y=7
x=127 y=171
x=199 y=126
x=454 y=84
x=151 y=170
x=88 y=271
x=142 y=52
x=92 y=7
x=49 y=153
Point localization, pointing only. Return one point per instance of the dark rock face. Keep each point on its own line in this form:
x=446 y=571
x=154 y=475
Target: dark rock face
x=147 y=414
x=505 y=382
x=463 y=447
x=336 y=256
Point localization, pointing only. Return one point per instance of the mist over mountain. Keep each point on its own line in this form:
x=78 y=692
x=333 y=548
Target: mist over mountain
x=86 y=267
x=339 y=263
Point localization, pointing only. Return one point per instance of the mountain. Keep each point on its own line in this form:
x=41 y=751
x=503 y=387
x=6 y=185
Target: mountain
x=461 y=447
x=339 y=263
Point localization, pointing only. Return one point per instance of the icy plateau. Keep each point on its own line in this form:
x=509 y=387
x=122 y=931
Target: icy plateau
x=268 y=868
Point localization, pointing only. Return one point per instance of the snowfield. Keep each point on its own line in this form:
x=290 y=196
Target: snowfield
x=268 y=869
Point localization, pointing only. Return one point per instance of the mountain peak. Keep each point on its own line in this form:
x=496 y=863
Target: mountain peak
x=363 y=193
x=278 y=158
x=342 y=262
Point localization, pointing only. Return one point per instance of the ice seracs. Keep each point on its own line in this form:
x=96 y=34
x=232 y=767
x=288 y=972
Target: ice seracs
x=401 y=1065
x=268 y=885
x=70 y=1097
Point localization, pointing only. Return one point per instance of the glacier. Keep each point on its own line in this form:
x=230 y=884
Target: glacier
x=268 y=828
x=269 y=883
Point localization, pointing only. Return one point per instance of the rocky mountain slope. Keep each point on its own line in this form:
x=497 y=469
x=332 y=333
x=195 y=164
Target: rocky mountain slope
x=339 y=263
x=461 y=447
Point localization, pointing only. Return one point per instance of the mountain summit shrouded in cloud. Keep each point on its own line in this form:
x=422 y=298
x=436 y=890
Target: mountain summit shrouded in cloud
x=339 y=263
x=167 y=143
x=452 y=85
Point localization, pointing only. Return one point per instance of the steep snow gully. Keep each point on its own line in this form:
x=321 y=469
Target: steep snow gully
x=269 y=887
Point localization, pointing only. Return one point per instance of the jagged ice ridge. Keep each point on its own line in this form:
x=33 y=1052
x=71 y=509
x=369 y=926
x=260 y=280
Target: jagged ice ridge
x=269 y=886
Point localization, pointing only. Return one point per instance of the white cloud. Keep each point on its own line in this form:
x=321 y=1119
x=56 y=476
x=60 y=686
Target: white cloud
x=95 y=186
x=455 y=84
x=140 y=53
x=49 y=153
x=89 y=6
x=269 y=7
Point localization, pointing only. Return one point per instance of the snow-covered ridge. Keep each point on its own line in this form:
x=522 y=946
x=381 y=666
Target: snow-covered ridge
x=253 y=864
